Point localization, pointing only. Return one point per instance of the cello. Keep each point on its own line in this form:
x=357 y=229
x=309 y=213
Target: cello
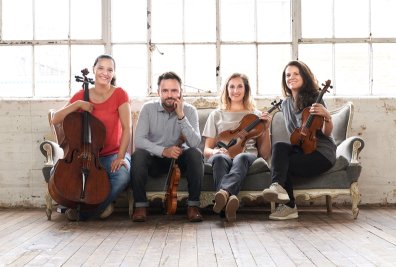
x=79 y=180
x=249 y=127
x=305 y=136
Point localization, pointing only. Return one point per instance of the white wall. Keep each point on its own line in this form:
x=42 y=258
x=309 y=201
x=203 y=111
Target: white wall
x=24 y=125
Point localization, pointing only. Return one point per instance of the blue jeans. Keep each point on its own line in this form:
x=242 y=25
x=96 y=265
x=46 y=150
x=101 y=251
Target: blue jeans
x=119 y=181
x=229 y=174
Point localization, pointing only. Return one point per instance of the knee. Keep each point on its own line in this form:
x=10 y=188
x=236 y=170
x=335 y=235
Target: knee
x=193 y=155
x=280 y=146
x=242 y=157
x=140 y=156
x=219 y=159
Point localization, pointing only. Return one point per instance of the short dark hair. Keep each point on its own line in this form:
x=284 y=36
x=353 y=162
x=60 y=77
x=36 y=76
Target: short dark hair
x=106 y=56
x=169 y=75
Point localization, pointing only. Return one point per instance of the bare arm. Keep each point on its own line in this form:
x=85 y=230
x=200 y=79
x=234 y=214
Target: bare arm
x=60 y=115
x=211 y=149
x=264 y=140
x=264 y=145
x=124 y=112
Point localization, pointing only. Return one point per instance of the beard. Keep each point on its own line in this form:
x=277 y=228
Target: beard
x=168 y=105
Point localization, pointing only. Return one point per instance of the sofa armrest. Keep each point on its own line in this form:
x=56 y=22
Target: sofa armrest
x=52 y=152
x=350 y=149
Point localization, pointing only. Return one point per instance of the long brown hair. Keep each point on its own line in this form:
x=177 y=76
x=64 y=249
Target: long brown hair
x=309 y=90
x=225 y=100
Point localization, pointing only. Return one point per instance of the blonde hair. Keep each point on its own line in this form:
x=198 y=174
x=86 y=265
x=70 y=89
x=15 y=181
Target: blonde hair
x=225 y=100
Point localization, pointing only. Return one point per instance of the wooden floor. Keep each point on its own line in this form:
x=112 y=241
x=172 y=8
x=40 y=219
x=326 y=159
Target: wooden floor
x=27 y=238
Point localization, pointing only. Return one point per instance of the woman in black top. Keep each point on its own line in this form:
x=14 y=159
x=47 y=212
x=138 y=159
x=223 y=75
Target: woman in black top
x=301 y=90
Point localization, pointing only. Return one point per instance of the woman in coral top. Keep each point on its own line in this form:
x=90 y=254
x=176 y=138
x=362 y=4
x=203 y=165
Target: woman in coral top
x=109 y=104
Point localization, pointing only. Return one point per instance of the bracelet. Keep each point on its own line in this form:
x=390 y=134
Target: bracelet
x=181 y=118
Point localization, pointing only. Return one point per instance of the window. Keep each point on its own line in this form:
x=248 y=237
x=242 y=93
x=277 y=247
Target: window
x=204 y=41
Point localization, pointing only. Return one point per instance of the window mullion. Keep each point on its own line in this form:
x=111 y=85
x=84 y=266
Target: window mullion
x=296 y=26
x=218 y=46
x=106 y=25
x=149 y=49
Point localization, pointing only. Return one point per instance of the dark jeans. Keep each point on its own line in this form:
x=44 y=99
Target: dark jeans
x=289 y=162
x=145 y=164
x=228 y=174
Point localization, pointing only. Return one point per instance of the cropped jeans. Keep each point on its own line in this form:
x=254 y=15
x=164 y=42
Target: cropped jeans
x=119 y=181
x=229 y=174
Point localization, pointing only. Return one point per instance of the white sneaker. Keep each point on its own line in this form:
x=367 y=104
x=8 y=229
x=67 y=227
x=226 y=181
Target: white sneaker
x=107 y=212
x=284 y=212
x=276 y=193
x=231 y=208
x=221 y=199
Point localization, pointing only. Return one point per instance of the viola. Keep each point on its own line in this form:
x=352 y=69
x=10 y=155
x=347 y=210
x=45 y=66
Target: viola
x=172 y=183
x=305 y=136
x=250 y=127
x=79 y=180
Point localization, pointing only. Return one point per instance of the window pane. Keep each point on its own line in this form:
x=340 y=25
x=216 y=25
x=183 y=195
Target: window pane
x=171 y=59
x=237 y=20
x=16 y=78
x=239 y=58
x=86 y=22
x=129 y=21
x=351 y=18
x=16 y=21
x=273 y=20
x=384 y=66
x=51 y=19
x=83 y=56
x=131 y=68
x=167 y=20
x=271 y=61
x=317 y=24
x=352 y=69
x=204 y=12
x=382 y=17
x=318 y=57
x=200 y=69
x=51 y=71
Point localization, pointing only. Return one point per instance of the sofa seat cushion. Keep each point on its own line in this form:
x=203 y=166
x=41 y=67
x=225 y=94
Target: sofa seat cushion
x=340 y=164
x=258 y=166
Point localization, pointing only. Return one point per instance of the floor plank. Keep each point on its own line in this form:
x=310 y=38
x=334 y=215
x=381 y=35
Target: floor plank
x=27 y=238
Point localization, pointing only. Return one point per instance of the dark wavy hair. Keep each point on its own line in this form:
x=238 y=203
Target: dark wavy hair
x=169 y=75
x=225 y=101
x=309 y=89
x=106 y=56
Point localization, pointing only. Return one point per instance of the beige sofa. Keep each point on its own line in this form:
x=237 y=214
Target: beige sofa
x=342 y=179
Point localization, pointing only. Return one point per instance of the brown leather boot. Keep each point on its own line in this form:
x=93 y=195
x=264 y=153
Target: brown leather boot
x=139 y=215
x=193 y=214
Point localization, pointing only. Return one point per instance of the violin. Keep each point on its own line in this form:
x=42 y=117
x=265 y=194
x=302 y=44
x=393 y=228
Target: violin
x=172 y=182
x=79 y=180
x=305 y=136
x=251 y=126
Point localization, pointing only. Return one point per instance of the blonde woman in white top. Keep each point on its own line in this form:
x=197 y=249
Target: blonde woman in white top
x=228 y=173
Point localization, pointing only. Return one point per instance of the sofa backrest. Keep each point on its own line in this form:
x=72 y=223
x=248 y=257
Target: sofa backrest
x=341 y=117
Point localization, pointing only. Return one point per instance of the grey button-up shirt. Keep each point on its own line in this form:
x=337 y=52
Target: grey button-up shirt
x=158 y=129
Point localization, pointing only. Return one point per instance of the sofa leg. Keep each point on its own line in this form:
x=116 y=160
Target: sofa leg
x=329 y=204
x=130 y=201
x=355 y=199
x=48 y=202
x=272 y=207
